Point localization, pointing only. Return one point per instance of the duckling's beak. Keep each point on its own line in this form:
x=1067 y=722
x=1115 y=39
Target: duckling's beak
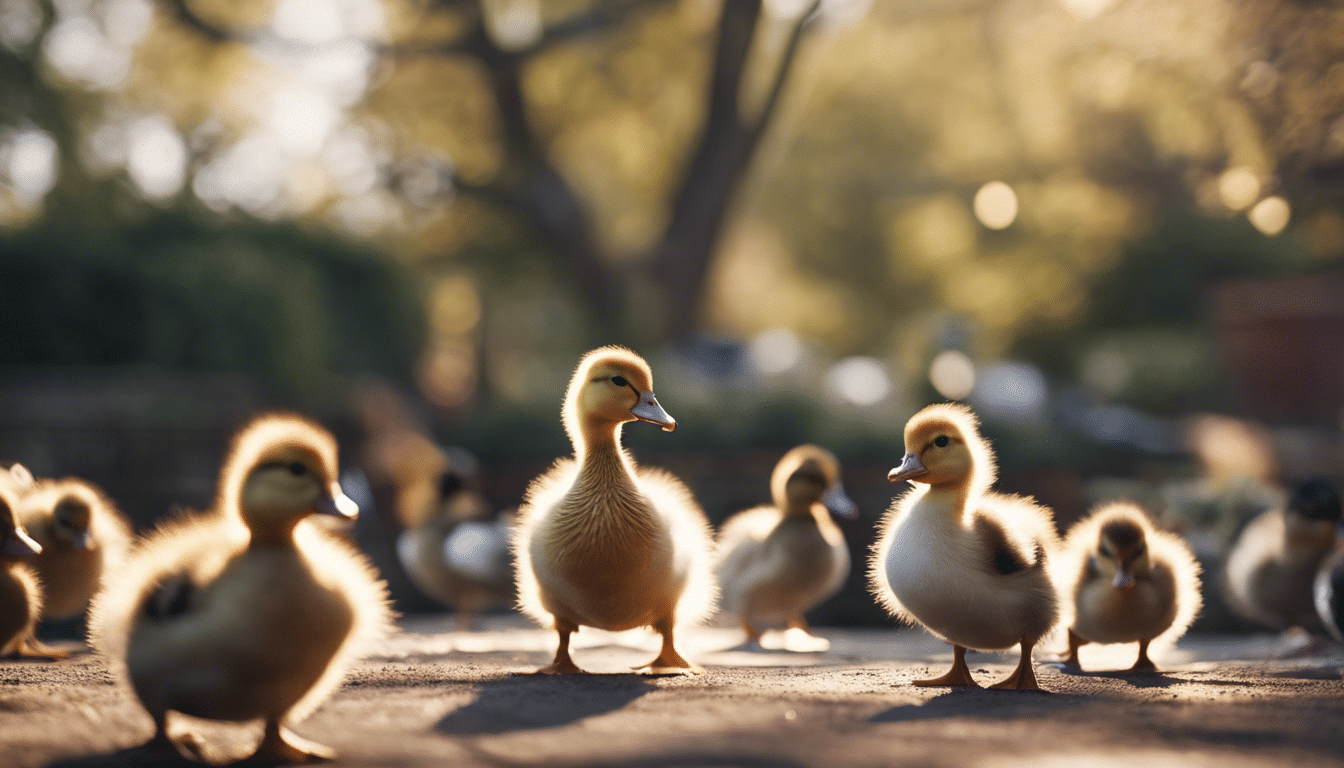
x=648 y=409
x=1123 y=579
x=83 y=541
x=838 y=503
x=910 y=467
x=20 y=545
x=337 y=504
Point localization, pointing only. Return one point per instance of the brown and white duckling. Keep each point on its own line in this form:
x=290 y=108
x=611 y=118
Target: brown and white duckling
x=1128 y=581
x=968 y=565
x=602 y=542
x=459 y=555
x=777 y=561
x=20 y=592
x=248 y=611
x=83 y=538
x=1273 y=564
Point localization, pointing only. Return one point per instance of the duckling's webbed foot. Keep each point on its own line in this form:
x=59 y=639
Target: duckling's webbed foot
x=283 y=745
x=959 y=676
x=1024 y=677
x=563 y=664
x=669 y=661
x=32 y=648
x=1143 y=664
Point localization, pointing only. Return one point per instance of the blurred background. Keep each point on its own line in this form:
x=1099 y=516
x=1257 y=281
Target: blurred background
x=1113 y=227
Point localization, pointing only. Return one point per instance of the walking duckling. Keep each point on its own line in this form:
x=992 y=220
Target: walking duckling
x=20 y=593
x=248 y=611
x=1128 y=582
x=967 y=564
x=602 y=542
x=83 y=539
x=1273 y=564
x=777 y=561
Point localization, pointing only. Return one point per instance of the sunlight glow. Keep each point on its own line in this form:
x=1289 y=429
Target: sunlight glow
x=156 y=158
x=309 y=21
x=1011 y=390
x=20 y=21
x=1238 y=188
x=77 y=48
x=996 y=205
x=1087 y=9
x=953 y=374
x=1270 y=215
x=859 y=380
x=513 y=24
x=775 y=351
x=31 y=164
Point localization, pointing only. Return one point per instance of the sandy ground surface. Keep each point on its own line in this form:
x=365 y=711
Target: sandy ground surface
x=435 y=697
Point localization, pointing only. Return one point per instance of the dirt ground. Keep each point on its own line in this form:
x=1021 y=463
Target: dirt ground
x=434 y=697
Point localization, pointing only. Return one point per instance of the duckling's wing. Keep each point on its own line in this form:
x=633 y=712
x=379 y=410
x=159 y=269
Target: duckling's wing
x=540 y=500
x=739 y=552
x=1171 y=554
x=692 y=542
x=1002 y=555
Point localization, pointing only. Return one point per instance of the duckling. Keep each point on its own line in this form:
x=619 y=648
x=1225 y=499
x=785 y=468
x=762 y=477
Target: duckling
x=1329 y=594
x=20 y=593
x=1272 y=566
x=249 y=610
x=967 y=564
x=778 y=561
x=17 y=479
x=1128 y=582
x=458 y=555
x=83 y=537
x=602 y=542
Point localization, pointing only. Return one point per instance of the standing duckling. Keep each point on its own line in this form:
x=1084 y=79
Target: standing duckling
x=778 y=561
x=1128 y=582
x=601 y=542
x=967 y=564
x=1273 y=564
x=248 y=611
x=20 y=594
x=83 y=538
x=458 y=555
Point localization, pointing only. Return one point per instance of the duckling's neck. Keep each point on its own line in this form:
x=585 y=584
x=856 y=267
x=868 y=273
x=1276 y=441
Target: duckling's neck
x=604 y=467
x=797 y=508
x=273 y=534
x=949 y=497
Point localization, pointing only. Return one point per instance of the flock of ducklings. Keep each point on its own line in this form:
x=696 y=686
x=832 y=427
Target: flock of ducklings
x=250 y=611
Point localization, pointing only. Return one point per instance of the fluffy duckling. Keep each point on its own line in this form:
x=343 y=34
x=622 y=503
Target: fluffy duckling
x=1329 y=594
x=458 y=555
x=1273 y=564
x=967 y=564
x=20 y=593
x=601 y=542
x=1128 y=582
x=83 y=537
x=778 y=561
x=248 y=611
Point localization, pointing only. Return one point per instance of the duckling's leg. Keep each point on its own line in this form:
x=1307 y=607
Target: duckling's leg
x=1075 y=642
x=753 y=634
x=668 y=661
x=959 y=675
x=1024 y=677
x=279 y=743
x=798 y=622
x=29 y=647
x=1144 y=664
x=563 y=665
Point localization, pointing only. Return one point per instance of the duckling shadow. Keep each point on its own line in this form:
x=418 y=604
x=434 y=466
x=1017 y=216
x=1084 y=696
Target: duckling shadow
x=527 y=702
x=1135 y=679
x=125 y=758
x=985 y=705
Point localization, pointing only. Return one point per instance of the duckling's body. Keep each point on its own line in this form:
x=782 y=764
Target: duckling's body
x=1129 y=582
x=1329 y=594
x=778 y=561
x=83 y=537
x=249 y=611
x=1272 y=566
x=601 y=542
x=20 y=593
x=458 y=555
x=967 y=564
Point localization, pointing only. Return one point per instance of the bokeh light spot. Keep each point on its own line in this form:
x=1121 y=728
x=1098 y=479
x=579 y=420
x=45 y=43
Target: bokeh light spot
x=775 y=351
x=1270 y=215
x=157 y=158
x=995 y=205
x=953 y=374
x=1238 y=188
x=31 y=165
x=859 y=380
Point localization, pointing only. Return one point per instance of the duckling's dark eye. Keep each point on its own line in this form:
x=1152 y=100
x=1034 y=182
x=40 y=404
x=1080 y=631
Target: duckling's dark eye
x=940 y=441
x=619 y=381
x=297 y=469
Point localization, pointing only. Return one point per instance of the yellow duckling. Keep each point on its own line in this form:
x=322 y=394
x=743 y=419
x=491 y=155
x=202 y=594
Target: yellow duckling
x=83 y=537
x=967 y=564
x=248 y=611
x=601 y=542
x=20 y=593
x=1128 y=582
x=1273 y=564
x=778 y=561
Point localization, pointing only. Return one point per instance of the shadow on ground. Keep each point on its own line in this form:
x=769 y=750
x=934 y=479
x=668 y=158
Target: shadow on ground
x=984 y=704
x=525 y=702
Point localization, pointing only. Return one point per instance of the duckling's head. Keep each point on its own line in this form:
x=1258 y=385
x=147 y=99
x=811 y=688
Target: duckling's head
x=71 y=518
x=281 y=469
x=1313 y=514
x=809 y=475
x=943 y=448
x=611 y=386
x=14 y=540
x=1121 y=552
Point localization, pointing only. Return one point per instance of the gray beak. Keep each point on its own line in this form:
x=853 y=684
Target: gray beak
x=840 y=504
x=337 y=504
x=83 y=541
x=1123 y=579
x=910 y=467
x=21 y=545
x=648 y=409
